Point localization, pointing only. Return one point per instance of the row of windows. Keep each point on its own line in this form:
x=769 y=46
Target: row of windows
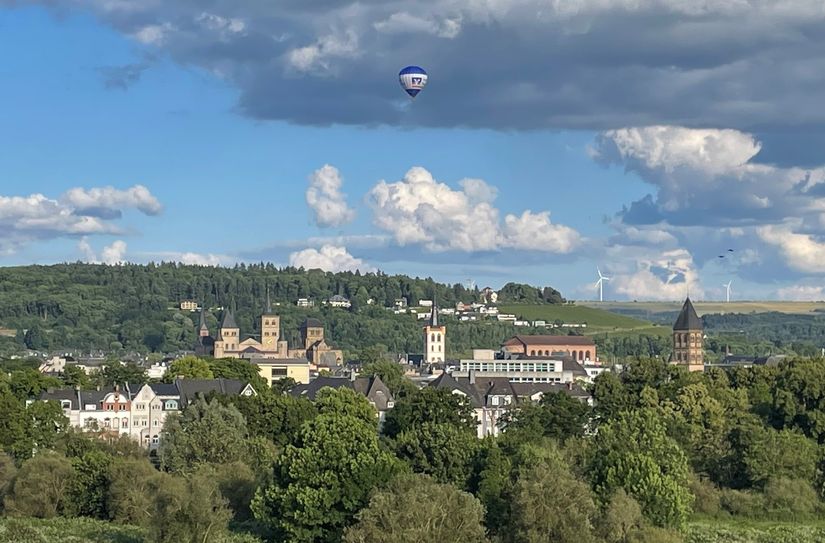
x=111 y=407
x=432 y=348
x=577 y=355
x=435 y=337
x=168 y=405
x=508 y=366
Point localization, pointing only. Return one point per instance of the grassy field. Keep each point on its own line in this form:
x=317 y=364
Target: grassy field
x=754 y=532
x=81 y=530
x=598 y=320
x=712 y=307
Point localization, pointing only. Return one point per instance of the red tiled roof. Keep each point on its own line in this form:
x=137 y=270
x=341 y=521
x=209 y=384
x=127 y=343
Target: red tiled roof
x=549 y=340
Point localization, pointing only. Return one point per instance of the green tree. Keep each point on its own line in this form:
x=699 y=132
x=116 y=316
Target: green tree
x=8 y=472
x=76 y=377
x=324 y=479
x=621 y=519
x=443 y=451
x=429 y=404
x=411 y=510
x=277 y=417
x=788 y=454
x=188 y=509
x=345 y=401
x=206 y=432
x=117 y=374
x=47 y=422
x=492 y=485
x=35 y=338
x=133 y=483
x=14 y=425
x=189 y=367
x=29 y=383
x=87 y=490
x=550 y=504
x=557 y=415
x=40 y=488
x=633 y=452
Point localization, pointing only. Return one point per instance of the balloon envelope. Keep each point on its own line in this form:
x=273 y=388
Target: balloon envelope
x=413 y=79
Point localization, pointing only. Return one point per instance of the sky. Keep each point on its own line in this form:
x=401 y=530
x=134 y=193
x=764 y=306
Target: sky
x=645 y=138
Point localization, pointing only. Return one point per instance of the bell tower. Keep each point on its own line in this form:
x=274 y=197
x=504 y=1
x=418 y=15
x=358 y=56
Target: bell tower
x=688 y=339
x=270 y=327
x=435 y=338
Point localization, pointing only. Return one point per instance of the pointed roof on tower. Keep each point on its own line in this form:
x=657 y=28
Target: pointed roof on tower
x=268 y=308
x=228 y=320
x=688 y=319
x=434 y=313
x=202 y=326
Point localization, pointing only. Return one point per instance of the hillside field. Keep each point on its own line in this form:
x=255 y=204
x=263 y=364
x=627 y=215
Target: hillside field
x=598 y=320
x=702 y=308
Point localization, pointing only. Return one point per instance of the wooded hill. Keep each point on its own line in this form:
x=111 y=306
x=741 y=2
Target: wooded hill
x=136 y=307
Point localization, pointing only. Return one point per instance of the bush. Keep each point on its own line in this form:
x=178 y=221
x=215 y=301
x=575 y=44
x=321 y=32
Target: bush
x=743 y=503
x=707 y=498
x=652 y=534
x=789 y=499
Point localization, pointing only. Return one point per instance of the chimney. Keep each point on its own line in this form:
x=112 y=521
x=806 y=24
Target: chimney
x=472 y=376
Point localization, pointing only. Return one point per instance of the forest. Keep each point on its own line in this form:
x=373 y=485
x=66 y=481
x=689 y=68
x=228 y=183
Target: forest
x=662 y=456
x=135 y=307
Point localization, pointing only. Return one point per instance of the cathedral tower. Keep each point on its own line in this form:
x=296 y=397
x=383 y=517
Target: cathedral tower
x=435 y=338
x=270 y=327
x=688 y=342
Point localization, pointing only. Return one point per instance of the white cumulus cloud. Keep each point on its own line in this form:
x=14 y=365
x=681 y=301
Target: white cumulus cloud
x=801 y=293
x=420 y=210
x=802 y=252
x=325 y=199
x=114 y=253
x=110 y=199
x=328 y=258
x=667 y=276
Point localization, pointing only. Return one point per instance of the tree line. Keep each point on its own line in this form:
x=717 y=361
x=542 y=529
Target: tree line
x=659 y=447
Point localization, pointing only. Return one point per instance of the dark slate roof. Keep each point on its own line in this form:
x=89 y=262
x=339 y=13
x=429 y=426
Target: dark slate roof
x=311 y=323
x=549 y=340
x=228 y=320
x=477 y=392
x=203 y=319
x=688 y=319
x=190 y=389
x=60 y=394
x=164 y=389
x=568 y=364
x=434 y=314
x=371 y=387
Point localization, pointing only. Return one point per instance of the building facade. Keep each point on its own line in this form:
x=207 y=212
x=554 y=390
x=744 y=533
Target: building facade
x=688 y=339
x=580 y=348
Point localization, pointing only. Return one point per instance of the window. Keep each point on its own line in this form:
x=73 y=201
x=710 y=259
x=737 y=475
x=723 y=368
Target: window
x=124 y=423
x=432 y=348
x=432 y=337
x=532 y=352
x=171 y=405
x=66 y=404
x=155 y=423
x=155 y=439
x=438 y=337
x=279 y=372
x=495 y=400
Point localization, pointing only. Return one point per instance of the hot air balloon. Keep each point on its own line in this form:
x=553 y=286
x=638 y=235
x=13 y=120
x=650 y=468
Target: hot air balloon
x=412 y=79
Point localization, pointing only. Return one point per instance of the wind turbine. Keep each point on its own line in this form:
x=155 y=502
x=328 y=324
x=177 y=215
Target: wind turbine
x=600 y=284
x=727 y=290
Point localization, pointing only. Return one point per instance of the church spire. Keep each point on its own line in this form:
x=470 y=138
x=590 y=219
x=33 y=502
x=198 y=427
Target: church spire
x=268 y=308
x=434 y=313
x=203 y=329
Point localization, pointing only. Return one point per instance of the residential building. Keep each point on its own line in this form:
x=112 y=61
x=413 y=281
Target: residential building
x=581 y=348
x=157 y=370
x=372 y=388
x=137 y=411
x=275 y=369
x=425 y=303
x=492 y=397
x=189 y=305
x=304 y=302
x=688 y=339
x=435 y=338
x=339 y=301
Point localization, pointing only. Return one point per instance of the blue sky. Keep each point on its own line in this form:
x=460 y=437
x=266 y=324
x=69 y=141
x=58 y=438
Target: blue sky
x=151 y=137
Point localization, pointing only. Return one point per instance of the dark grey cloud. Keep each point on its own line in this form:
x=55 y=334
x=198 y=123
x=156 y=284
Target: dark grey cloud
x=511 y=64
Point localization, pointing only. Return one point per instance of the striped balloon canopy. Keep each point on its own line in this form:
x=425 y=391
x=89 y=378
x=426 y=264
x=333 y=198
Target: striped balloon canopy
x=413 y=79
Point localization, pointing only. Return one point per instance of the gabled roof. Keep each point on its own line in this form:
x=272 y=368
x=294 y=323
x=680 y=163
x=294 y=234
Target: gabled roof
x=164 y=389
x=549 y=340
x=568 y=364
x=311 y=323
x=228 y=320
x=527 y=390
x=688 y=319
x=190 y=389
x=479 y=391
x=371 y=387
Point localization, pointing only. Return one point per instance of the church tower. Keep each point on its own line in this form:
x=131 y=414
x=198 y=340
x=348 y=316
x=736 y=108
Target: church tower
x=435 y=338
x=203 y=329
x=688 y=342
x=270 y=327
x=228 y=336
